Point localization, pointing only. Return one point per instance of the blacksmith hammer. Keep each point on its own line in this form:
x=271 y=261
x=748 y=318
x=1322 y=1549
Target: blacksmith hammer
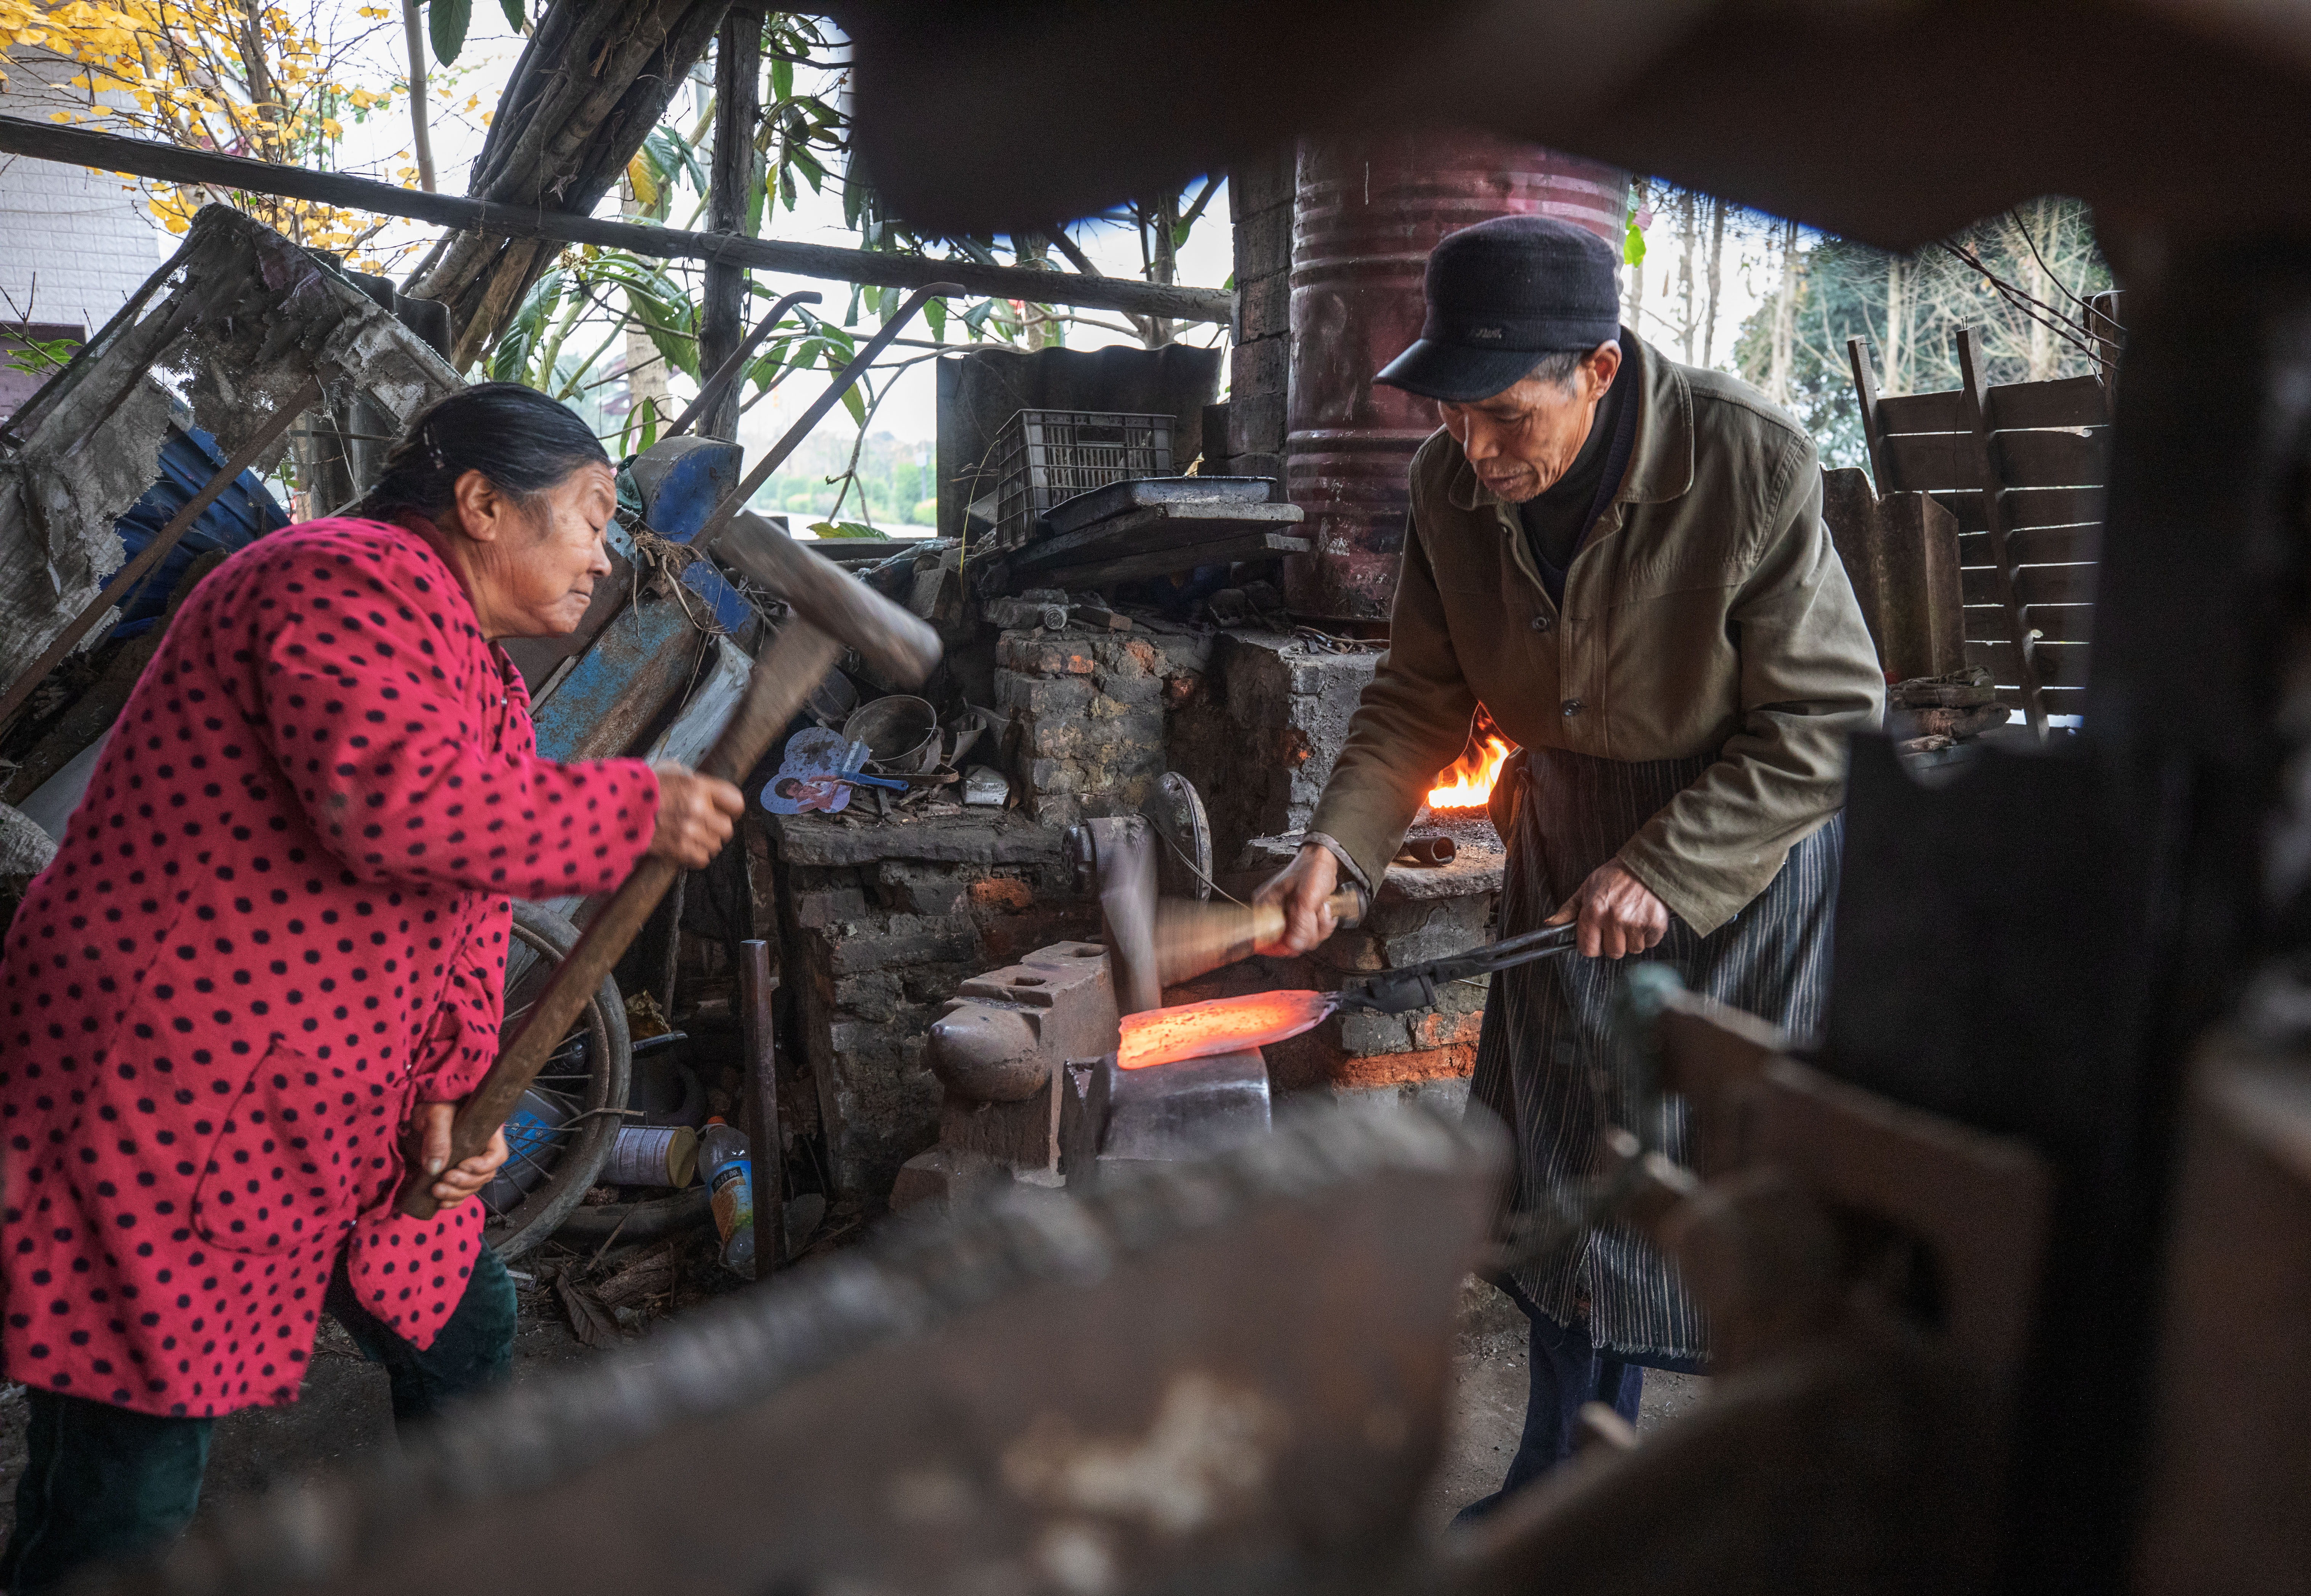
x=832 y=610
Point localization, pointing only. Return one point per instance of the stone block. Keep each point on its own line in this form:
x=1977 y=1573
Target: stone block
x=946 y=1177
x=1040 y=698
x=1263 y=308
x=910 y=886
x=909 y=940
x=1257 y=425
x=830 y=906
x=1263 y=243
x=1261 y=367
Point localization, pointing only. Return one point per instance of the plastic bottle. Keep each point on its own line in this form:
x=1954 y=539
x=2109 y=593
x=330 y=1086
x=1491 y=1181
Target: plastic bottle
x=730 y=1174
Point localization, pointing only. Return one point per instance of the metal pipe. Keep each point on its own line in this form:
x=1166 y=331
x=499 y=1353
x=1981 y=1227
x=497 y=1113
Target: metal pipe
x=756 y=986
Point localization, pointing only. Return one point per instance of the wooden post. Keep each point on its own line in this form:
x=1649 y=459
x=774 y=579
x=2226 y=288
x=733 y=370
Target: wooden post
x=768 y=1153
x=1873 y=430
x=1974 y=407
x=738 y=107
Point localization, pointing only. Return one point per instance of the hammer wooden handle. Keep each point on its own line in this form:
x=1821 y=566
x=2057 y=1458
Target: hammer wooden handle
x=1193 y=939
x=783 y=679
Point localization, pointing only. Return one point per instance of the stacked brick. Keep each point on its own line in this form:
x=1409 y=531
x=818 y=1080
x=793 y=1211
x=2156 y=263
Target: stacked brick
x=1259 y=203
x=1089 y=709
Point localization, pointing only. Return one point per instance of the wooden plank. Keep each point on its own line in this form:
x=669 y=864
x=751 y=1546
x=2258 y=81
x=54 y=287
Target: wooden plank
x=1996 y=512
x=2033 y=584
x=1929 y=462
x=2037 y=545
x=2060 y=665
x=2053 y=460
x=2053 y=623
x=2027 y=507
x=1937 y=461
x=2065 y=402
x=1920 y=412
x=1873 y=430
x=1261 y=546
x=1158 y=527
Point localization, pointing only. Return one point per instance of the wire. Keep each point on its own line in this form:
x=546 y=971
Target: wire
x=2015 y=217
x=2061 y=327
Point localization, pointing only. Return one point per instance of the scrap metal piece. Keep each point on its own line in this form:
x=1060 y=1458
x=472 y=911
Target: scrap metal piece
x=1183 y=865
x=1225 y=1376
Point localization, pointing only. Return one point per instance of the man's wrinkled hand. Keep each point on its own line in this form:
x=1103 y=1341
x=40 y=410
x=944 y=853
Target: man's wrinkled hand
x=1619 y=913
x=696 y=814
x=430 y=1128
x=1301 y=888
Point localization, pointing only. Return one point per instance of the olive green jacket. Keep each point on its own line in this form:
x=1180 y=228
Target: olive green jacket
x=1706 y=612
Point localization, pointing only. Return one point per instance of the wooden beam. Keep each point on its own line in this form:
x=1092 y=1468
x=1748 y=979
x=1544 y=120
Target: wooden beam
x=109 y=151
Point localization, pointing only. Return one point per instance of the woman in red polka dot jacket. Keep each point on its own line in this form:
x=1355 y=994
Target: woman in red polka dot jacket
x=270 y=954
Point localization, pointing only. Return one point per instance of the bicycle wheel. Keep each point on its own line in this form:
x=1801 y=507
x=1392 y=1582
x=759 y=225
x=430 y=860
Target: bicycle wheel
x=560 y=1138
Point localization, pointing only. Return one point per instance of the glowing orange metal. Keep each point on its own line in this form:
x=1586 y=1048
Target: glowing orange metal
x=1218 y=1026
x=1468 y=782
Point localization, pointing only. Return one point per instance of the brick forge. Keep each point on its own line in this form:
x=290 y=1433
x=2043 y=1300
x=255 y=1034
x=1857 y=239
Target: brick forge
x=880 y=925
x=1427 y=1056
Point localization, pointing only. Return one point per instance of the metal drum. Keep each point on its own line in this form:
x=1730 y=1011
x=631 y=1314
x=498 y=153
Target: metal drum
x=1366 y=214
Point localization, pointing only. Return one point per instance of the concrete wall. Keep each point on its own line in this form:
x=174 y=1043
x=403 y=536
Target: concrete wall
x=74 y=243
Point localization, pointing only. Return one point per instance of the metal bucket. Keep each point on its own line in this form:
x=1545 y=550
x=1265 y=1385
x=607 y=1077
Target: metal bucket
x=901 y=733
x=652 y=1155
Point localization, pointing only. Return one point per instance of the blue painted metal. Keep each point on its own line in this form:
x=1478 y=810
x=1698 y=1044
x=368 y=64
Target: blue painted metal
x=242 y=513
x=704 y=474
x=637 y=665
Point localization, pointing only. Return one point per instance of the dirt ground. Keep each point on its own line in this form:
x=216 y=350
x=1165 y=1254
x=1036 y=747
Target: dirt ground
x=345 y=1413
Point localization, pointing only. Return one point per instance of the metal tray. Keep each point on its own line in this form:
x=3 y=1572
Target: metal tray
x=1071 y=515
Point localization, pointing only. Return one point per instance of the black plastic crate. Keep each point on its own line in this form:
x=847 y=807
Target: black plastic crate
x=1044 y=458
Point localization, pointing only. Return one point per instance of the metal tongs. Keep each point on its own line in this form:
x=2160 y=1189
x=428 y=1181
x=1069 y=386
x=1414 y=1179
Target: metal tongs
x=1400 y=992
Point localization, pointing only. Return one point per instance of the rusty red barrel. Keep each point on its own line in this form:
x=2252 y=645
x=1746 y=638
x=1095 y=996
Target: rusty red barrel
x=1366 y=214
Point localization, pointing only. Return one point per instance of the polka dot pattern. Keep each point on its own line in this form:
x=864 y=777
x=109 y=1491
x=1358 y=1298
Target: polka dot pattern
x=278 y=921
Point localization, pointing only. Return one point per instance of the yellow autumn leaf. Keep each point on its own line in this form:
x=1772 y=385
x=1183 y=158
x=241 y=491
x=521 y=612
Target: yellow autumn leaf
x=638 y=175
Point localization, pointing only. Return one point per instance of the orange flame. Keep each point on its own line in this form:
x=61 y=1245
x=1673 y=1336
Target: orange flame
x=1468 y=783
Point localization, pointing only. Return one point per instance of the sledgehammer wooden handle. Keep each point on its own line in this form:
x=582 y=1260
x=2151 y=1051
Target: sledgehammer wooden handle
x=783 y=678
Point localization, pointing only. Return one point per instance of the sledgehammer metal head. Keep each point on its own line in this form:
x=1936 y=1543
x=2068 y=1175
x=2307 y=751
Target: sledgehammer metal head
x=894 y=644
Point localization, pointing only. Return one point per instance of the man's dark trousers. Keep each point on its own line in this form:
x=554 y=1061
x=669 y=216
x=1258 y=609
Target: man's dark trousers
x=105 y=1483
x=1566 y=1373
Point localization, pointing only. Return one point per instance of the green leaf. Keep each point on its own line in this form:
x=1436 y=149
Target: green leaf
x=1633 y=247
x=448 y=21
x=934 y=316
x=517 y=15
x=855 y=402
x=842 y=529
x=781 y=81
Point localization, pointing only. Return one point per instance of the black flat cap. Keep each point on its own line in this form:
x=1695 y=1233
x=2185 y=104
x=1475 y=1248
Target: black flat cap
x=1500 y=295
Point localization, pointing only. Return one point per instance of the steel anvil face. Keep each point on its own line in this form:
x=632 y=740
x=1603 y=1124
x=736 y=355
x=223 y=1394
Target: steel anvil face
x=1110 y=1116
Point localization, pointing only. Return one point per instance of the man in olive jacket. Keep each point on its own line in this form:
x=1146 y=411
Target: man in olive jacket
x=1622 y=559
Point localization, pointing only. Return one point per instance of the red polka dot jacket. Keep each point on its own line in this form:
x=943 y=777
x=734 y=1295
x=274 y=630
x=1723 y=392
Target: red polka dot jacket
x=278 y=921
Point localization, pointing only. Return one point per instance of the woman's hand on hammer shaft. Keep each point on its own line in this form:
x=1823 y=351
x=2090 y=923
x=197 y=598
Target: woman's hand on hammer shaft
x=431 y=1127
x=696 y=814
x=1300 y=889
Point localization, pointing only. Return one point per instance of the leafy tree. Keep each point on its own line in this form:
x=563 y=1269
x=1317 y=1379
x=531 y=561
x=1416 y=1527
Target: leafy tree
x=269 y=80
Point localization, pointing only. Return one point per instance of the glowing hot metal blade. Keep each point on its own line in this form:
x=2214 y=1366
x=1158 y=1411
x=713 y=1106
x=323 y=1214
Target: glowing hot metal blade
x=1218 y=1025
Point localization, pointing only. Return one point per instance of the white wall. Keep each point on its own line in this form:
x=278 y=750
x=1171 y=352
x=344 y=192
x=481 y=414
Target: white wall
x=85 y=235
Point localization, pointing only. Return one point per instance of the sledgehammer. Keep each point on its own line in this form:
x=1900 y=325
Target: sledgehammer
x=831 y=611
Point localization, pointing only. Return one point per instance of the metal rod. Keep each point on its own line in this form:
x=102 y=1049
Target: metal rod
x=134 y=571
x=729 y=371
x=82 y=147
x=767 y=1152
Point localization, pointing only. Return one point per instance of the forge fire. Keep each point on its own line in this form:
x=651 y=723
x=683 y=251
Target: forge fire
x=1467 y=782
